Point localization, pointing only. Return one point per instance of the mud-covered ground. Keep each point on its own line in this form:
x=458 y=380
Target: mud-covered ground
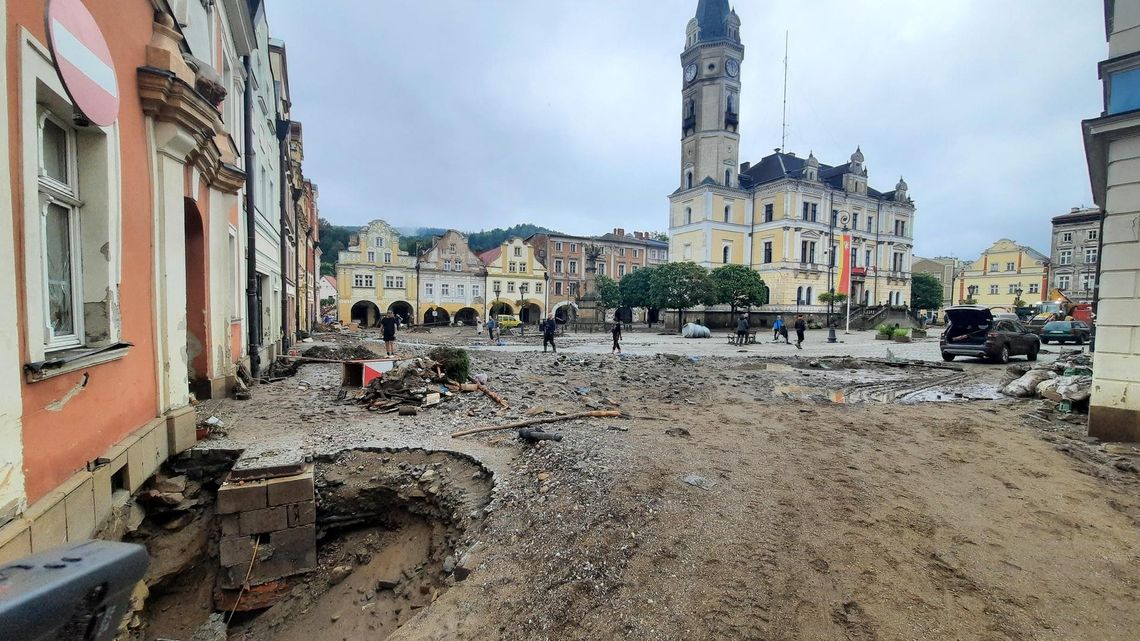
x=750 y=497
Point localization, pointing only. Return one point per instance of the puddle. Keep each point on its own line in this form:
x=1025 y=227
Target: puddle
x=901 y=396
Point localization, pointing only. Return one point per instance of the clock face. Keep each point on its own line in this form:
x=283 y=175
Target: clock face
x=732 y=67
x=690 y=73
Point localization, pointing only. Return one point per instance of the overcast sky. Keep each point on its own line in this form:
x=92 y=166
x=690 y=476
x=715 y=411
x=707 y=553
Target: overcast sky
x=566 y=113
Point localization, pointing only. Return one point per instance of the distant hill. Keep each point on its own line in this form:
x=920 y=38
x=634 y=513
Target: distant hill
x=334 y=239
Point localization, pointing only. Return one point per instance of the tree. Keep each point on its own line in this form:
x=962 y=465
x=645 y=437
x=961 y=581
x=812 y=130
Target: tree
x=739 y=286
x=828 y=297
x=680 y=286
x=925 y=291
x=634 y=288
x=609 y=294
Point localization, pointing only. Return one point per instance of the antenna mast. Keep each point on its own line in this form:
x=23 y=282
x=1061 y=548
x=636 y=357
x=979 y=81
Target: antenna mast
x=784 y=125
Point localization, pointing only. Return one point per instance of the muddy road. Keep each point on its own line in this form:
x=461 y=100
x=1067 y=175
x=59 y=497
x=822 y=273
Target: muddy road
x=749 y=499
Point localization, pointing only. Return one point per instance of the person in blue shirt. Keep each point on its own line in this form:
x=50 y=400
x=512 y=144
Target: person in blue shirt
x=779 y=324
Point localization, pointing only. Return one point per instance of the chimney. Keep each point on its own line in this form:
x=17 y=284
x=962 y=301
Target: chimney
x=745 y=166
x=638 y=235
x=619 y=232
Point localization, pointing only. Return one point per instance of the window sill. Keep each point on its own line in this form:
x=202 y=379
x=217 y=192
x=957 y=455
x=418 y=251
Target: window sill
x=66 y=361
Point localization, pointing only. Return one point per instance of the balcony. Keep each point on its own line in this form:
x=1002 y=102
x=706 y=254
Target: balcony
x=731 y=119
x=859 y=274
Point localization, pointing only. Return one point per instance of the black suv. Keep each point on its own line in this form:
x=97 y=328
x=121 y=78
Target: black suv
x=974 y=332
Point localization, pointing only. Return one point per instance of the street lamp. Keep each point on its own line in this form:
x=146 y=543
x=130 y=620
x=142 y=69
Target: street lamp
x=1018 y=291
x=495 y=305
x=973 y=290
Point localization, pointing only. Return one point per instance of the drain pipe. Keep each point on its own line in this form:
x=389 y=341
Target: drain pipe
x=282 y=134
x=252 y=297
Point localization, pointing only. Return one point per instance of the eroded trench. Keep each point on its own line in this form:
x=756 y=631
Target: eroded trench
x=395 y=530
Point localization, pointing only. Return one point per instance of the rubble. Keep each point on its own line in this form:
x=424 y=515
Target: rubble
x=1066 y=383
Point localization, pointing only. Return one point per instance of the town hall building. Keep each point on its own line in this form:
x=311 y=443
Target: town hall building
x=783 y=215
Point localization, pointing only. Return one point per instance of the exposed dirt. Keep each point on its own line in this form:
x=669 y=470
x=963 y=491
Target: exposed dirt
x=802 y=518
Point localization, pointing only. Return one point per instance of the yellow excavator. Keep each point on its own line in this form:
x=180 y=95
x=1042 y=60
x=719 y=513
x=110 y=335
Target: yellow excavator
x=1059 y=308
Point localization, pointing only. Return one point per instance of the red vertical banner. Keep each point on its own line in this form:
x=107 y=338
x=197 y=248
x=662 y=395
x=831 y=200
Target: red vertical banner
x=844 y=286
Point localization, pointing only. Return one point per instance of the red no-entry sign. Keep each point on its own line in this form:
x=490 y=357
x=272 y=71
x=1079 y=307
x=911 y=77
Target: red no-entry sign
x=83 y=60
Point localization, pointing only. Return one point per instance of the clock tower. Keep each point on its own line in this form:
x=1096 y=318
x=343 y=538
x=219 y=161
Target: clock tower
x=710 y=96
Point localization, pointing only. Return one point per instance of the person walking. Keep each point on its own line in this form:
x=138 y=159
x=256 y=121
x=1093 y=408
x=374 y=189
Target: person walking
x=801 y=327
x=742 y=330
x=549 y=329
x=389 y=324
x=491 y=329
x=777 y=329
x=616 y=331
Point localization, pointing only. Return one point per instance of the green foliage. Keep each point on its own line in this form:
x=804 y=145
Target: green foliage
x=609 y=293
x=925 y=291
x=455 y=362
x=681 y=286
x=634 y=288
x=828 y=297
x=334 y=239
x=970 y=300
x=885 y=330
x=901 y=332
x=1017 y=303
x=739 y=286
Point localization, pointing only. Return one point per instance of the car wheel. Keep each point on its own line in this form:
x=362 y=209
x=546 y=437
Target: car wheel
x=1032 y=355
x=1044 y=341
x=947 y=357
x=1080 y=340
x=1003 y=356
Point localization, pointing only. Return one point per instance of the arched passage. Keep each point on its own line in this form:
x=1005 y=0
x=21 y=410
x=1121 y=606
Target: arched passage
x=365 y=313
x=437 y=316
x=197 y=328
x=467 y=316
x=565 y=312
x=403 y=311
x=530 y=314
x=502 y=309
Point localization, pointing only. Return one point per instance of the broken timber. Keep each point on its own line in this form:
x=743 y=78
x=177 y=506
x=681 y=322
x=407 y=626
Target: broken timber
x=493 y=396
x=540 y=421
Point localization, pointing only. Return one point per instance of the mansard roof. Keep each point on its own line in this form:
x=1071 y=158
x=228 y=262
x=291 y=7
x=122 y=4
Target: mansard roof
x=780 y=165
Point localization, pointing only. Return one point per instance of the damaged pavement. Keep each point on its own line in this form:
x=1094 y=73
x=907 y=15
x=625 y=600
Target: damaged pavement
x=706 y=497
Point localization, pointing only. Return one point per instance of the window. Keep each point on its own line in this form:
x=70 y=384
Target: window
x=451 y=248
x=1066 y=257
x=870 y=223
x=728 y=177
x=61 y=248
x=834 y=217
x=429 y=289
x=1011 y=267
x=636 y=253
x=378 y=241
x=814 y=213
x=767 y=252
x=688 y=215
x=388 y=257
x=653 y=254
x=511 y=286
x=621 y=270
x=994 y=289
x=1063 y=282
x=558 y=288
x=688 y=251
x=1094 y=234
x=447 y=265
x=768 y=213
x=445 y=289
x=538 y=288
x=855 y=220
x=897 y=262
x=518 y=252
x=869 y=262
x=799 y=295
x=514 y=267
x=601 y=269
x=1087 y=281
x=497 y=287
x=460 y=291
x=390 y=282
x=371 y=257
x=621 y=251
x=558 y=266
x=1067 y=237
x=993 y=268
x=573 y=267
x=362 y=280
x=558 y=247
x=573 y=289
x=457 y=266
x=900 y=228
x=728 y=213
x=1012 y=289
x=807 y=252
x=1034 y=288
x=573 y=248
x=725 y=251
x=854 y=258
x=1091 y=254
x=689 y=180
x=399 y=282
x=475 y=291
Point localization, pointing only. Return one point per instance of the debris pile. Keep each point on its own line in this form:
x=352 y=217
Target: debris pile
x=1065 y=383
x=346 y=353
x=420 y=382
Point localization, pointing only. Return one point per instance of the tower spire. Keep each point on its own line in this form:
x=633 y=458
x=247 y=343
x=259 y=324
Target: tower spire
x=712 y=17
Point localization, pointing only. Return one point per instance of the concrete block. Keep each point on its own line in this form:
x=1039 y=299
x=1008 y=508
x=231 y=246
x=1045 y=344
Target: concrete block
x=142 y=459
x=181 y=430
x=49 y=526
x=1116 y=367
x=15 y=541
x=103 y=487
x=80 y=509
x=236 y=551
x=1114 y=424
x=302 y=513
x=263 y=521
x=291 y=489
x=230 y=524
x=242 y=497
x=1119 y=312
x=294 y=543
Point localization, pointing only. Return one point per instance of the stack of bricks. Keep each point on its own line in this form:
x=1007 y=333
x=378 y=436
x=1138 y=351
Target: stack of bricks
x=277 y=517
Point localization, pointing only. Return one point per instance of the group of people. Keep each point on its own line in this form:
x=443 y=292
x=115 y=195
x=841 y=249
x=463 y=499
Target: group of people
x=779 y=330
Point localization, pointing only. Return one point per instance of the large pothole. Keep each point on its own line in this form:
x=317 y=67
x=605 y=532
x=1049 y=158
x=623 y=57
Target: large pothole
x=392 y=531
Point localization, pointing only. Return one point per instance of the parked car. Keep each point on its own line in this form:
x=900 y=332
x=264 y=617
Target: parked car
x=1066 y=332
x=973 y=331
x=508 y=321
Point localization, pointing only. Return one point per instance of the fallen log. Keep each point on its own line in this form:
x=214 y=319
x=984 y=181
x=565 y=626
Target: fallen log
x=493 y=396
x=540 y=421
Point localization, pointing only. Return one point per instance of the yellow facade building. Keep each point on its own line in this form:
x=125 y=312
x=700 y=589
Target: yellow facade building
x=374 y=277
x=517 y=281
x=783 y=215
x=1002 y=274
x=452 y=282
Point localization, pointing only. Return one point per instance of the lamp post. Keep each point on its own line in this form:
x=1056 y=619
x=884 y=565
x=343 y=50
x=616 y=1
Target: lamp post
x=973 y=291
x=495 y=305
x=1018 y=291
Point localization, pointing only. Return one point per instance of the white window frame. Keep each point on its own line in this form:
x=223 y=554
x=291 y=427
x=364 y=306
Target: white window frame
x=388 y=258
x=558 y=288
x=538 y=288
x=1091 y=255
x=1064 y=282
x=390 y=282
x=363 y=281
x=573 y=248
x=558 y=266
x=429 y=289
x=1067 y=237
x=460 y=291
x=457 y=265
x=475 y=290
x=399 y=282
x=1065 y=257
x=1094 y=234
x=445 y=289
x=66 y=196
x=371 y=257
x=518 y=252
x=510 y=287
x=1034 y=288
x=994 y=290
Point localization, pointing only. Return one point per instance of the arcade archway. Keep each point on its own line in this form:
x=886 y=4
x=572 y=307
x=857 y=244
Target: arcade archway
x=365 y=313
